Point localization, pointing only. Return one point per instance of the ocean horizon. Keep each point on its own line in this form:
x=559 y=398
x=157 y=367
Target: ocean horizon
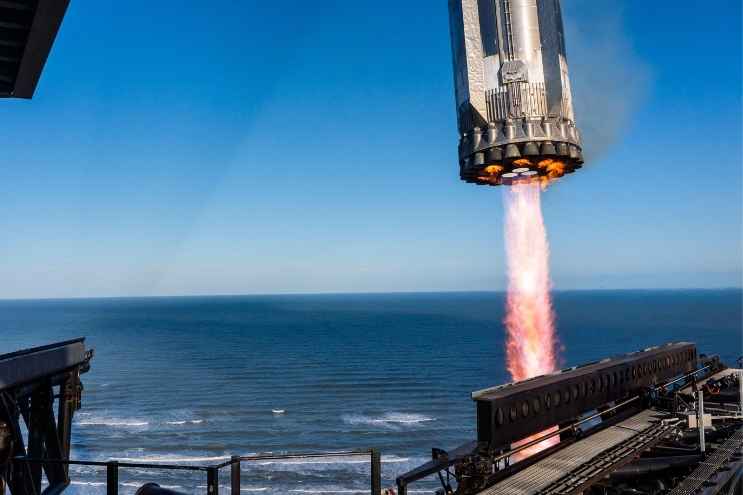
x=365 y=293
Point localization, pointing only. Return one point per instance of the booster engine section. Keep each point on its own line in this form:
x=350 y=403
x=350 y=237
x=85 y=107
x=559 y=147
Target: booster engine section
x=514 y=103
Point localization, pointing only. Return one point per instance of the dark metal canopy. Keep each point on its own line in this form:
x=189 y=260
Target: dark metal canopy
x=27 y=32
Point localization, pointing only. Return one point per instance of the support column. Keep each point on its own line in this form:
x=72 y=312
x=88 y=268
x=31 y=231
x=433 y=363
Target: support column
x=212 y=481
x=376 y=472
x=112 y=478
x=700 y=421
x=65 y=411
x=235 y=475
x=36 y=422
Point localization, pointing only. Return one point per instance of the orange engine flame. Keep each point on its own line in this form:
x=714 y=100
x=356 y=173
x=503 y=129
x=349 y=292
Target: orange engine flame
x=531 y=342
x=553 y=169
x=493 y=169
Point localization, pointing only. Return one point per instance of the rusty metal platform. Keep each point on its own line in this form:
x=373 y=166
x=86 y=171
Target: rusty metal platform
x=575 y=467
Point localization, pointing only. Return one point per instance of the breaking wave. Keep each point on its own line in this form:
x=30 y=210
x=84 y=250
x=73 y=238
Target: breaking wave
x=391 y=419
x=330 y=460
x=392 y=459
x=113 y=422
x=173 y=459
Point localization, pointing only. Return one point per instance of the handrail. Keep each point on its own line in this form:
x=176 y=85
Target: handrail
x=139 y=465
x=212 y=471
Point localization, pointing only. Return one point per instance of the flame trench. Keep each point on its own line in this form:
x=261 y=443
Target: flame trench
x=531 y=341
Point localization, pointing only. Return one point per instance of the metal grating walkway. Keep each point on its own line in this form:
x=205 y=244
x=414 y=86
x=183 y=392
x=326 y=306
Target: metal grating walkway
x=571 y=468
x=711 y=465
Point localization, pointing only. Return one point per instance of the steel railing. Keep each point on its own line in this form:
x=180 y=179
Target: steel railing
x=213 y=471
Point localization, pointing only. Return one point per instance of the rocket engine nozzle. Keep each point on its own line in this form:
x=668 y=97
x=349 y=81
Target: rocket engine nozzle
x=514 y=102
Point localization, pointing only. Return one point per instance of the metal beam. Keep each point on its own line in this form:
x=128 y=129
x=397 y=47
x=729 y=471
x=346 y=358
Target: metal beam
x=47 y=19
x=24 y=367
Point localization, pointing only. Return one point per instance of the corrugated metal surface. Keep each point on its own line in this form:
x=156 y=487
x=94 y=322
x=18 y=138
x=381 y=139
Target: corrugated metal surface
x=544 y=474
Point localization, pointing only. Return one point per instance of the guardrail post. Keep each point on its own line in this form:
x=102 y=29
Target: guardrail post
x=376 y=472
x=212 y=481
x=235 y=475
x=112 y=478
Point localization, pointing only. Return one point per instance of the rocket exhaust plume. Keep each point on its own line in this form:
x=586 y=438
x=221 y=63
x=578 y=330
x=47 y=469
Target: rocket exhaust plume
x=531 y=342
x=530 y=322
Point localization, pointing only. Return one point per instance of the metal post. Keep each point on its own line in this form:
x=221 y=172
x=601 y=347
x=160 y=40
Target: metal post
x=235 y=475
x=402 y=488
x=376 y=472
x=65 y=411
x=112 y=478
x=740 y=390
x=700 y=421
x=212 y=481
x=36 y=427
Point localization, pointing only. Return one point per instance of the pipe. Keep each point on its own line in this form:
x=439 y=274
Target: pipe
x=651 y=465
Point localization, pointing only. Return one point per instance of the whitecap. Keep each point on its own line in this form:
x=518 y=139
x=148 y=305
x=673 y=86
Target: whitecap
x=120 y=423
x=172 y=459
x=181 y=422
x=390 y=419
x=330 y=460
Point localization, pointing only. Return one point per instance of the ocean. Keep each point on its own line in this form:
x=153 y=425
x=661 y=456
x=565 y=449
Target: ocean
x=195 y=379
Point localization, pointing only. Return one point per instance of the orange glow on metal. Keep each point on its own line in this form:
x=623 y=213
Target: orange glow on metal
x=535 y=449
x=493 y=169
x=531 y=341
x=522 y=162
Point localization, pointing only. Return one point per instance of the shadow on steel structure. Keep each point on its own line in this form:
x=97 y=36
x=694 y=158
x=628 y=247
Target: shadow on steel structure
x=30 y=381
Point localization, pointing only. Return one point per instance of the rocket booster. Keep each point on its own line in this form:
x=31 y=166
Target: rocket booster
x=514 y=103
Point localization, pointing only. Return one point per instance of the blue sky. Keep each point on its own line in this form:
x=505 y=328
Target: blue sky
x=260 y=147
